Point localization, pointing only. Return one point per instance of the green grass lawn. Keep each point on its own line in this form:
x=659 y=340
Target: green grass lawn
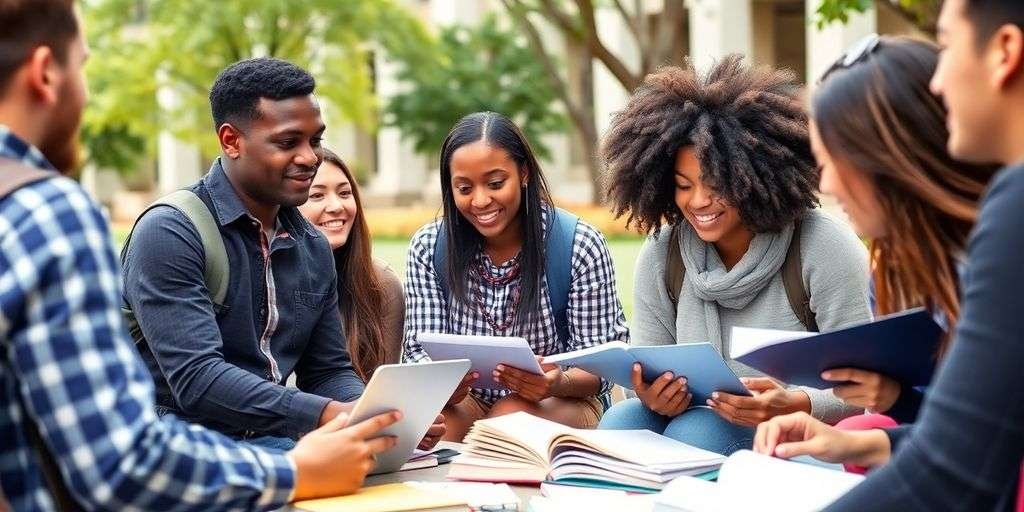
x=624 y=252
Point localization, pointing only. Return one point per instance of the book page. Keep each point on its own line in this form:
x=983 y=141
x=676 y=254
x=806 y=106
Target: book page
x=769 y=484
x=745 y=340
x=689 y=494
x=529 y=431
x=645 y=448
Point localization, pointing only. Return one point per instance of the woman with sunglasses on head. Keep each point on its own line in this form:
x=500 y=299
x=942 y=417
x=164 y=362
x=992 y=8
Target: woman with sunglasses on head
x=880 y=136
x=889 y=168
x=724 y=158
x=484 y=269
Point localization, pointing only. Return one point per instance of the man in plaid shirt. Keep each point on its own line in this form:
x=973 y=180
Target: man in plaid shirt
x=67 y=368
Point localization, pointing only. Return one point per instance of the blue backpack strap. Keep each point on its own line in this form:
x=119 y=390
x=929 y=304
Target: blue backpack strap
x=559 y=241
x=439 y=260
x=558 y=267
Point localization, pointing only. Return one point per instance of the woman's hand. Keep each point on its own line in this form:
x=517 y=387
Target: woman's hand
x=873 y=391
x=665 y=395
x=797 y=434
x=463 y=388
x=770 y=399
x=531 y=386
x=434 y=434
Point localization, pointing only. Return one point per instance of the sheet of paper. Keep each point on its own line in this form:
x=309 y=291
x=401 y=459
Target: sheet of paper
x=476 y=494
x=776 y=485
x=533 y=432
x=383 y=498
x=632 y=503
x=647 y=448
x=747 y=339
x=689 y=494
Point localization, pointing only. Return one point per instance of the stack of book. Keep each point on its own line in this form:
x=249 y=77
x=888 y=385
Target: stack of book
x=520 y=448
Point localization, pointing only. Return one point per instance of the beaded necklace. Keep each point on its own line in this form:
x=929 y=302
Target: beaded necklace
x=495 y=282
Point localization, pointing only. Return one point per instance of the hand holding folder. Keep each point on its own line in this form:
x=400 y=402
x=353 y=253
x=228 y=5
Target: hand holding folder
x=902 y=346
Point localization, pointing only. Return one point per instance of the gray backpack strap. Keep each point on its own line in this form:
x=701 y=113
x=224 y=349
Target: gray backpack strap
x=675 y=271
x=14 y=175
x=793 y=281
x=217 y=272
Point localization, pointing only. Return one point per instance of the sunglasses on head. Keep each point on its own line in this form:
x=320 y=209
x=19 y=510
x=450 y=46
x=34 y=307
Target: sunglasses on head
x=857 y=53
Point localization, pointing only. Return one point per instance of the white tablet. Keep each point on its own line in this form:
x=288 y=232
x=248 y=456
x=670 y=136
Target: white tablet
x=486 y=352
x=419 y=391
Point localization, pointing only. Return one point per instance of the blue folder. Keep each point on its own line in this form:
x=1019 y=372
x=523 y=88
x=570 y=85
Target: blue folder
x=903 y=346
x=702 y=365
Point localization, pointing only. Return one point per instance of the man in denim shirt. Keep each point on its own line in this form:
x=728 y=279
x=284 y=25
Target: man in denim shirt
x=226 y=367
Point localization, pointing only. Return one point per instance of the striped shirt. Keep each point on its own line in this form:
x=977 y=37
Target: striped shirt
x=594 y=312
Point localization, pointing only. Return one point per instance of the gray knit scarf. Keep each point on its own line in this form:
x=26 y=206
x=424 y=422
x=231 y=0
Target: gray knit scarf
x=708 y=284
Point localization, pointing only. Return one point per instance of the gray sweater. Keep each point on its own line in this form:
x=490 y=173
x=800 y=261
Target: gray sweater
x=835 y=274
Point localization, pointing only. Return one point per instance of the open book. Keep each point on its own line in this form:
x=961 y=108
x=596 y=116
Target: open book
x=749 y=481
x=521 y=448
x=902 y=346
x=704 y=368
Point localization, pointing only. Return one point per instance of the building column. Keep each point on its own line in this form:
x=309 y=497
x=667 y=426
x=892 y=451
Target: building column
x=402 y=175
x=178 y=163
x=826 y=45
x=718 y=28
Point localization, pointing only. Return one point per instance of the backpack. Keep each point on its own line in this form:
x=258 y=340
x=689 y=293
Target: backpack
x=792 y=277
x=216 y=273
x=558 y=242
x=13 y=176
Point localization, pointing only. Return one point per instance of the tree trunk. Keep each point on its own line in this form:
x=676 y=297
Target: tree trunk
x=587 y=127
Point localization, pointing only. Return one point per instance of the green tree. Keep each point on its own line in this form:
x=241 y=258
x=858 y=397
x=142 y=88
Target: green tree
x=482 y=68
x=922 y=13
x=145 y=49
x=659 y=40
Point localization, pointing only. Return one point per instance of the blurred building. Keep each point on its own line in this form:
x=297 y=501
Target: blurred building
x=779 y=33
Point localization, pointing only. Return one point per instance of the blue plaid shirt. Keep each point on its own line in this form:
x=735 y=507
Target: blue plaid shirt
x=66 y=352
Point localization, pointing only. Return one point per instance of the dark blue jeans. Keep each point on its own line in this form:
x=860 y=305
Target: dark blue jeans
x=697 y=426
x=283 y=444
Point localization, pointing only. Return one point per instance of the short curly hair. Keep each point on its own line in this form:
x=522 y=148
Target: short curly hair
x=236 y=93
x=748 y=127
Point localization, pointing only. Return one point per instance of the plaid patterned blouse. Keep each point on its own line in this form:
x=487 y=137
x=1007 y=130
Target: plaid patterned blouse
x=594 y=312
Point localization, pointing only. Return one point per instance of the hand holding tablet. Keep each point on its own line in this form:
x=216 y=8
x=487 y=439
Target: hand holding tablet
x=417 y=390
x=485 y=353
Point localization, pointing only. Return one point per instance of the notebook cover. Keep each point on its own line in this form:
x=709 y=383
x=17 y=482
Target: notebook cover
x=902 y=346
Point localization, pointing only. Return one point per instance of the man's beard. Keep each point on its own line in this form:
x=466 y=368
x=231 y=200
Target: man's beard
x=65 y=156
x=61 y=146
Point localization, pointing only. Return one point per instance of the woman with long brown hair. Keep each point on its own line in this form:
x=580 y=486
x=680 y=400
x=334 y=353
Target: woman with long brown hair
x=879 y=136
x=369 y=291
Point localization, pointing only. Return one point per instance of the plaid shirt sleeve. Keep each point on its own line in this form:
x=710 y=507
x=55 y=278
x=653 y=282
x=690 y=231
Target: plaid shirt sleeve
x=595 y=312
x=86 y=388
x=425 y=307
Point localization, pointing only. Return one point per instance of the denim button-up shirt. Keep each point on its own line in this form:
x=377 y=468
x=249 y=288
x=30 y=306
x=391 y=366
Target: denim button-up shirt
x=226 y=368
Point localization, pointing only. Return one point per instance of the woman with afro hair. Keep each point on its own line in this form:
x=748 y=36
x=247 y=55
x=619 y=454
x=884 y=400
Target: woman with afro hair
x=724 y=161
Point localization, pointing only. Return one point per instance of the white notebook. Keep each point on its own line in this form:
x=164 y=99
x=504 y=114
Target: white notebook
x=750 y=481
